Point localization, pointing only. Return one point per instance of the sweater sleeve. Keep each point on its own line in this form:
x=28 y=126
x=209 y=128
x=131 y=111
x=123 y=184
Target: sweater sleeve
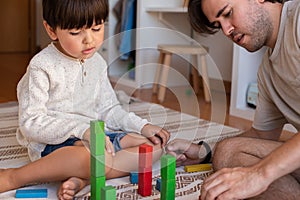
x=38 y=123
x=113 y=114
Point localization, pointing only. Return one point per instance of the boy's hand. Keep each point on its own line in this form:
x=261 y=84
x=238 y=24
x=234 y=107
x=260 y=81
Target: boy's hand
x=156 y=134
x=109 y=146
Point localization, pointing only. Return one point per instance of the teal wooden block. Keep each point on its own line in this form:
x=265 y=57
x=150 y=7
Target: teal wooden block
x=168 y=167
x=108 y=193
x=97 y=138
x=32 y=193
x=134 y=177
x=96 y=184
x=168 y=189
x=97 y=165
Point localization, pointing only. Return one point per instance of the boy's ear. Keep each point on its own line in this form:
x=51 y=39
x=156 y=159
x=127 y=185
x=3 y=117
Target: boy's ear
x=50 y=31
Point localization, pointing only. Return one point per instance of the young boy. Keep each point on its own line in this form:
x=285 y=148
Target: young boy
x=65 y=87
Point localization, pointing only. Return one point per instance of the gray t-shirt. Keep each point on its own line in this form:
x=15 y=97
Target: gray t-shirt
x=279 y=75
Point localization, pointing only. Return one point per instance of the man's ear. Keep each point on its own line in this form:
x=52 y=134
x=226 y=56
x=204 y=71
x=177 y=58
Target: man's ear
x=50 y=31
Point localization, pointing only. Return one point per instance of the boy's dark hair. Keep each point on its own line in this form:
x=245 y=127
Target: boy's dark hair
x=199 y=21
x=69 y=14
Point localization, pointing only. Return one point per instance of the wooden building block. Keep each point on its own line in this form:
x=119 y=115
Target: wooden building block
x=145 y=182
x=134 y=177
x=32 y=193
x=197 y=168
x=96 y=184
x=97 y=165
x=108 y=193
x=168 y=189
x=97 y=138
x=145 y=155
x=168 y=167
x=145 y=189
x=158 y=184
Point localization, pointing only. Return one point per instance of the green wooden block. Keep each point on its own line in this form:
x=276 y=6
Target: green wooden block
x=108 y=193
x=96 y=184
x=97 y=165
x=168 y=167
x=97 y=138
x=168 y=189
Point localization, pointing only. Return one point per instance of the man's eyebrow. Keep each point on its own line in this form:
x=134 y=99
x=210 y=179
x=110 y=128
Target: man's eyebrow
x=221 y=11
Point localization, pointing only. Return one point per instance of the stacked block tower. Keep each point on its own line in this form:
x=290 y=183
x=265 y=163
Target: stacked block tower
x=97 y=152
x=145 y=170
x=168 y=174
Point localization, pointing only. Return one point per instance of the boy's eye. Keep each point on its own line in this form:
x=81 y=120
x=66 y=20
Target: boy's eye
x=96 y=29
x=74 y=33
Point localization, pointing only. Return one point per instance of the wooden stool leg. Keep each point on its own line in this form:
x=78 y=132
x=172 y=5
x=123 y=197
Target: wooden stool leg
x=157 y=73
x=205 y=78
x=195 y=74
x=164 y=77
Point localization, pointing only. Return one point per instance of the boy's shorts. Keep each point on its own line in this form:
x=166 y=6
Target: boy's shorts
x=115 y=138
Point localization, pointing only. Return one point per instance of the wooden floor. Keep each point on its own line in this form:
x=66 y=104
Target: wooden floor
x=180 y=99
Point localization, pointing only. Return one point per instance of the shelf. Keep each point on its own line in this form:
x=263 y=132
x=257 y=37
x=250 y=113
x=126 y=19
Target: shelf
x=167 y=9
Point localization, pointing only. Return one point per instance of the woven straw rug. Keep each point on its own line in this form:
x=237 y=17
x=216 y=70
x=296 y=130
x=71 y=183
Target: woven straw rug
x=179 y=124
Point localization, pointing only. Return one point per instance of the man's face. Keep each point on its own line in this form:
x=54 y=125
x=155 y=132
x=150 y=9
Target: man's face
x=245 y=22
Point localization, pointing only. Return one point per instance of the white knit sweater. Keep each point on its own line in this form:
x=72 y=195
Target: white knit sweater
x=59 y=96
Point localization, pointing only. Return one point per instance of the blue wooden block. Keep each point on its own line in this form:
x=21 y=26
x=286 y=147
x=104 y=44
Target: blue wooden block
x=134 y=177
x=32 y=193
x=158 y=183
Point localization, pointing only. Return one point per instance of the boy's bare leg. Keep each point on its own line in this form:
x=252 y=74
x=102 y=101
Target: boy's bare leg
x=117 y=166
x=126 y=160
x=242 y=151
x=55 y=168
x=66 y=162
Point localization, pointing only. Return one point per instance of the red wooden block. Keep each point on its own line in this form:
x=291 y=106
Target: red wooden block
x=145 y=155
x=145 y=169
x=145 y=190
x=145 y=181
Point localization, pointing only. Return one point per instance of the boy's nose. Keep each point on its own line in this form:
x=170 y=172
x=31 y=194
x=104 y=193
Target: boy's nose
x=88 y=38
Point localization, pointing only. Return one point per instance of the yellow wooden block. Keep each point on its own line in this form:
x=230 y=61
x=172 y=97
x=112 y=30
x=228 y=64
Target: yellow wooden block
x=197 y=168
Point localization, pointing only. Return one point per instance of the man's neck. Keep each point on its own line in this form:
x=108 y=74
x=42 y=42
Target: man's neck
x=275 y=12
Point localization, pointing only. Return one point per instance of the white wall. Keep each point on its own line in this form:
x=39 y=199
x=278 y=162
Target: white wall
x=221 y=53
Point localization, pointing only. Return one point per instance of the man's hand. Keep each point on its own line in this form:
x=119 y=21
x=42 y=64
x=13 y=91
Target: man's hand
x=234 y=183
x=186 y=152
x=156 y=134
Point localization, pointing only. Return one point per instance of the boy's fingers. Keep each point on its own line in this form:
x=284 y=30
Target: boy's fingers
x=109 y=146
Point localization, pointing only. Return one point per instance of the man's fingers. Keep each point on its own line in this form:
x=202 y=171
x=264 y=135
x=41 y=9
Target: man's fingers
x=178 y=145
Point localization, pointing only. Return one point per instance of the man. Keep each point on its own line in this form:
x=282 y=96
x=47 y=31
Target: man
x=256 y=164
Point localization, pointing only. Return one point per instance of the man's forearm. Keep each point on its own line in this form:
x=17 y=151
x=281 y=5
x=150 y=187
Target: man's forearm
x=282 y=161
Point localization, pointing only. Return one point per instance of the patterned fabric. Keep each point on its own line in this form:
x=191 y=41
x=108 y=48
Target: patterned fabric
x=179 y=124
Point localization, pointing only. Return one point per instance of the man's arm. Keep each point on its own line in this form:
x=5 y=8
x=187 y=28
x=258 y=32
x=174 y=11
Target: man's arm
x=267 y=135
